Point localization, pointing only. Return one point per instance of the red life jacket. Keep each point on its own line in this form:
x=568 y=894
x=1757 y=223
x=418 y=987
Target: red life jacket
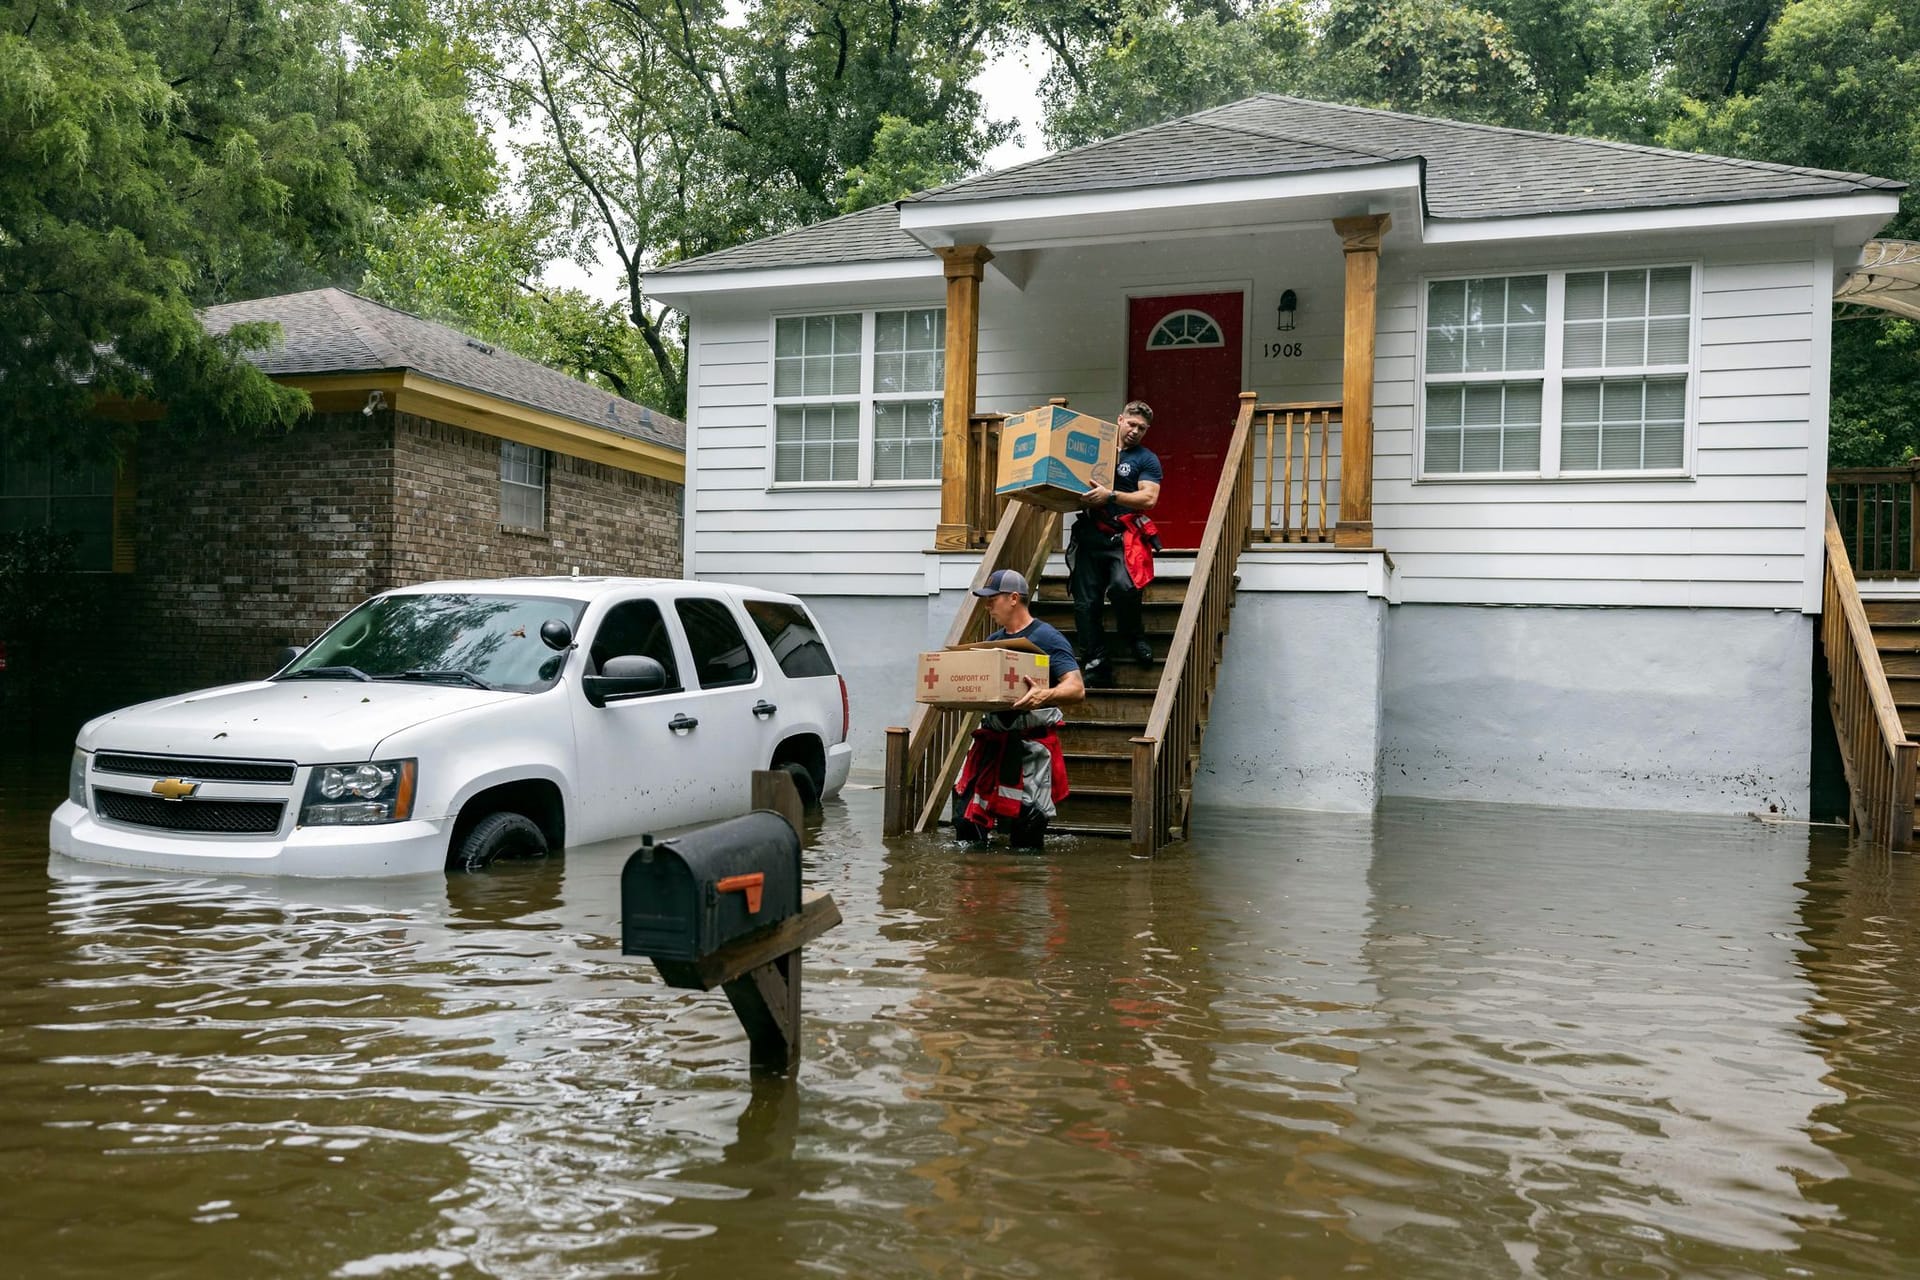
x=993 y=779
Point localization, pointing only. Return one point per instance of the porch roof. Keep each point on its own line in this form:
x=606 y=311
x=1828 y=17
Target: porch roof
x=1470 y=172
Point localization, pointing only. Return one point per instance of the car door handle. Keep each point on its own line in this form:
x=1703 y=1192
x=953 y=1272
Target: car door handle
x=682 y=723
x=763 y=709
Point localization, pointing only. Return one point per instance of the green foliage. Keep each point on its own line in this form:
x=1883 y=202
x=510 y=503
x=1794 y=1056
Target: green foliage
x=1123 y=66
x=156 y=158
x=905 y=157
x=1432 y=57
x=478 y=274
x=655 y=130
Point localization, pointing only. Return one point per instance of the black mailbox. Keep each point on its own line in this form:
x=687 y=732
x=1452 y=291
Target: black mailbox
x=685 y=898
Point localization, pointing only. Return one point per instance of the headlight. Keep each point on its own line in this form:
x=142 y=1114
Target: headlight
x=351 y=794
x=77 y=778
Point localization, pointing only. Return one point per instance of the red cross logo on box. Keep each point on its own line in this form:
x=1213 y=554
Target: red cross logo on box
x=933 y=677
x=1011 y=678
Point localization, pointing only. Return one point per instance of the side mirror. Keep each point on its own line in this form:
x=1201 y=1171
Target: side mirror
x=628 y=676
x=555 y=634
x=287 y=655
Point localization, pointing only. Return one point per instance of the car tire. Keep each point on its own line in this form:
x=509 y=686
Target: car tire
x=498 y=836
x=803 y=782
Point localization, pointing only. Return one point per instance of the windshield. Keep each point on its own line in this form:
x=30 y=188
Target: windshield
x=477 y=641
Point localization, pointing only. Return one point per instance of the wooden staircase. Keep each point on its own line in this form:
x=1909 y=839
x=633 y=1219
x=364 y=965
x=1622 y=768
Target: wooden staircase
x=1873 y=665
x=1132 y=750
x=1098 y=736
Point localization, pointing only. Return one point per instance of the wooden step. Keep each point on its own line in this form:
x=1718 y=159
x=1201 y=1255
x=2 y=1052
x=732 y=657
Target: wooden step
x=1159 y=591
x=1157 y=619
x=1893 y=612
x=1115 y=704
x=1097 y=769
x=1889 y=638
x=1100 y=737
x=1102 y=806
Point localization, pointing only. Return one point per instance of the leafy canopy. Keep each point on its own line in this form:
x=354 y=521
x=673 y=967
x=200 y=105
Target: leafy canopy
x=155 y=158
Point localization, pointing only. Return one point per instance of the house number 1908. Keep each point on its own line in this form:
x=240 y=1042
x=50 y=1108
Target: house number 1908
x=1285 y=350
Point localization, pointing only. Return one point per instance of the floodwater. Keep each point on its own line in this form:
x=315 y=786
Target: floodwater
x=1447 y=1041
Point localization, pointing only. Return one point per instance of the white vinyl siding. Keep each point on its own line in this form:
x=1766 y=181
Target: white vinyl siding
x=1728 y=530
x=1731 y=530
x=856 y=397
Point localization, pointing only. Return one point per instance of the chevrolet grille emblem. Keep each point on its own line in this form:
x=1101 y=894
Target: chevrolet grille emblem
x=174 y=788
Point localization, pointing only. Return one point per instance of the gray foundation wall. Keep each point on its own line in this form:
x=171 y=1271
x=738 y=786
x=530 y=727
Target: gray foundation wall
x=1297 y=713
x=1331 y=701
x=1691 y=710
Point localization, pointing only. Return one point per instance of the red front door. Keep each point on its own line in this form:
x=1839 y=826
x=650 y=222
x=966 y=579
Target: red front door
x=1183 y=358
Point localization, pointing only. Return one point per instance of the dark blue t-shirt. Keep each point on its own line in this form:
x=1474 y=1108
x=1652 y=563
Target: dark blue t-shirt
x=1133 y=465
x=1060 y=659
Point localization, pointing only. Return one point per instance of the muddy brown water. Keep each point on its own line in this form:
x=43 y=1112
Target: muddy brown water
x=1445 y=1041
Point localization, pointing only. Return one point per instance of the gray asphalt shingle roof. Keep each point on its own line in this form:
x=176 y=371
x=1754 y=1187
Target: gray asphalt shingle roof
x=334 y=331
x=1471 y=171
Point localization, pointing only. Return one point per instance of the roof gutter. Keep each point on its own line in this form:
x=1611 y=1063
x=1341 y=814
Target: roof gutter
x=1868 y=209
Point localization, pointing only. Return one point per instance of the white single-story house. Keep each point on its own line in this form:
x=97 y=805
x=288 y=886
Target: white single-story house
x=1577 y=452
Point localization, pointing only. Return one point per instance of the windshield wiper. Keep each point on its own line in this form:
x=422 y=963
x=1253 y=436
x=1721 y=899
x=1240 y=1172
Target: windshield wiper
x=326 y=673
x=443 y=677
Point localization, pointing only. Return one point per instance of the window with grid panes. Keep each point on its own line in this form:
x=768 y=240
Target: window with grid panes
x=1486 y=344
x=1635 y=330
x=857 y=397
x=62 y=496
x=909 y=375
x=816 y=387
x=1587 y=367
x=523 y=486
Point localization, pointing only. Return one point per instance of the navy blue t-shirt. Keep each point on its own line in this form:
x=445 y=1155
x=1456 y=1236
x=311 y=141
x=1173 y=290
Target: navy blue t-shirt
x=1060 y=659
x=1134 y=465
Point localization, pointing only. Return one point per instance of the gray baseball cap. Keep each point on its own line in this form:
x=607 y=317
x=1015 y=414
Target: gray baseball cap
x=1002 y=581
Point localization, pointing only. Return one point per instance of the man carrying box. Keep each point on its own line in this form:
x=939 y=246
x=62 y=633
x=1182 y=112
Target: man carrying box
x=1110 y=551
x=1014 y=771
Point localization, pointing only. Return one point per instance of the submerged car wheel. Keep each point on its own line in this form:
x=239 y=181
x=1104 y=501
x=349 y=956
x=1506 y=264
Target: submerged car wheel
x=803 y=782
x=497 y=836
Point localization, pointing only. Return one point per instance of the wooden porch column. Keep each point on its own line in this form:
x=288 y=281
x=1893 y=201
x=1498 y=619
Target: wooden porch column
x=966 y=263
x=1360 y=237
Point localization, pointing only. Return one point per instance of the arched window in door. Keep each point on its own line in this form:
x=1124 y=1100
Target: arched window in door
x=1185 y=329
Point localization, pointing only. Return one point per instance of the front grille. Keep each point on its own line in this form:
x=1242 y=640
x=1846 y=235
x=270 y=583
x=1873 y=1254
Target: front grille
x=218 y=817
x=197 y=770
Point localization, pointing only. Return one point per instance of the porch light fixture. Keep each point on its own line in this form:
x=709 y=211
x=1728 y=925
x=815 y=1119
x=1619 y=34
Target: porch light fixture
x=1288 y=302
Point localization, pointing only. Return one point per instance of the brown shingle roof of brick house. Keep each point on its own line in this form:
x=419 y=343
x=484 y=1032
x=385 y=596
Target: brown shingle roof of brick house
x=334 y=331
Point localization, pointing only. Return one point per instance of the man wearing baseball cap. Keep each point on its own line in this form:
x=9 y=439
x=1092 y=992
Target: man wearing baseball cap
x=1014 y=771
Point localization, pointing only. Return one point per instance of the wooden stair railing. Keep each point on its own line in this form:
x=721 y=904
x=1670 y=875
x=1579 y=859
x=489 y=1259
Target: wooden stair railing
x=1874 y=507
x=1874 y=749
x=924 y=757
x=1165 y=752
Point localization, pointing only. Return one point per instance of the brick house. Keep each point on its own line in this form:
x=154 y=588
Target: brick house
x=429 y=454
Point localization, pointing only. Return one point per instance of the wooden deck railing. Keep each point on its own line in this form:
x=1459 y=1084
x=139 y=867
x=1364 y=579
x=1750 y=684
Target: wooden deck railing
x=924 y=757
x=1297 y=512
x=1163 y=755
x=1874 y=748
x=984 y=509
x=1874 y=507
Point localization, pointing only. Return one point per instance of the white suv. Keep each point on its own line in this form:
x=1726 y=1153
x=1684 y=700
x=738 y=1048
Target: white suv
x=453 y=723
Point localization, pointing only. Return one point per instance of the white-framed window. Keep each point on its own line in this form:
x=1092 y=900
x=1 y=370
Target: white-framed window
x=857 y=396
x=523 y=486
x=1554 y=374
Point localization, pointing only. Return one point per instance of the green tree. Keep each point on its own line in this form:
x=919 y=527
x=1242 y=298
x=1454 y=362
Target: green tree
x=158 y=158
x=480 y=274
x=654 y=130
